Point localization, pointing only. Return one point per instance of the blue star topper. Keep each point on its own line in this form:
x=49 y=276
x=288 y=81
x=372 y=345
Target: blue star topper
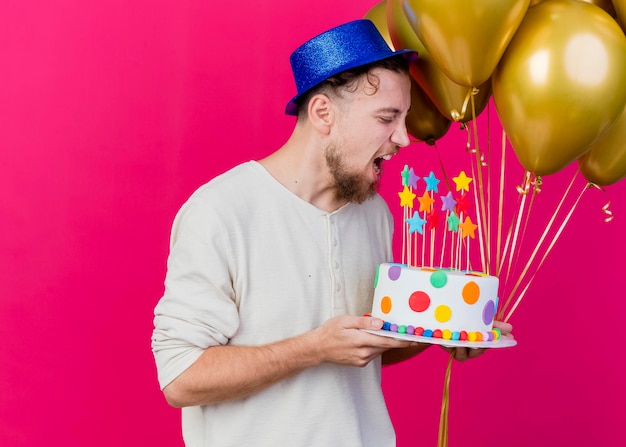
x=431 y=182
x=416 y=223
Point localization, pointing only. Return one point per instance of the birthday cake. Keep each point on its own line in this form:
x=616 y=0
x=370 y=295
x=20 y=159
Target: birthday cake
x=438 y=303
x=454 y=302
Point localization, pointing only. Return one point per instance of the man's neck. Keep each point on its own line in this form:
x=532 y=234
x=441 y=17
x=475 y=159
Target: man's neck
x=300 y=167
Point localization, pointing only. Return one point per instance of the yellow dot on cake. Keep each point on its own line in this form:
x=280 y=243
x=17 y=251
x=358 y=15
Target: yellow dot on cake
x=443 y=313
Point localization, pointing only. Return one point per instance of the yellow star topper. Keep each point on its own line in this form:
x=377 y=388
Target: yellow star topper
x=462 y=182
x=406 y=197
x=468 y=228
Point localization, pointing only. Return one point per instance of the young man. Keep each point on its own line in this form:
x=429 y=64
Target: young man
x=258 y=335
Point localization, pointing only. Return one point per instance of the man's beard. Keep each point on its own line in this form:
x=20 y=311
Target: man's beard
x=350 y=187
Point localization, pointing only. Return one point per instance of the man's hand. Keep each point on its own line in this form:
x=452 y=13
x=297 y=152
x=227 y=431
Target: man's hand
x=340 y=340
x=461 y=354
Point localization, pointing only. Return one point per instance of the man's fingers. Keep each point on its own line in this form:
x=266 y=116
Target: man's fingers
x=505 y=328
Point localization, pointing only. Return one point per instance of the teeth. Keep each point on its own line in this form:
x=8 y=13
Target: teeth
x=387 y=157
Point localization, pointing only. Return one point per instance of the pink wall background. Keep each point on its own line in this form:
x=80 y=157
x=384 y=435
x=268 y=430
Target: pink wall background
x=112 y=113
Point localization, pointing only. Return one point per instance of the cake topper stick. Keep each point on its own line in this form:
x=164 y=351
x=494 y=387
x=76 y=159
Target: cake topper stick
x=447 y=205
x=468 y=265
x=426 y=205
x=405 y=234
x=406 y=201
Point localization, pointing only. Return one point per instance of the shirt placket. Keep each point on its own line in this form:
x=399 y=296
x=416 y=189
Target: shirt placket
x=337 y=283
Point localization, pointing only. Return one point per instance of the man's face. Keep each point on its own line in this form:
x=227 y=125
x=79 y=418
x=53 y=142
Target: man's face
x=370 y=128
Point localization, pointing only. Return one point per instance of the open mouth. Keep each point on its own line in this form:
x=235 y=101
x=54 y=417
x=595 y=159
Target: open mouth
x=378 y=163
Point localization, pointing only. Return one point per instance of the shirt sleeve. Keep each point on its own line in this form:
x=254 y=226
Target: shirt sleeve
x=198 y=309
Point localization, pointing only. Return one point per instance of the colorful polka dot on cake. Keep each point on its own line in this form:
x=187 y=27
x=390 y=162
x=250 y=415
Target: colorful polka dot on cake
x=471 y=292
x=394 y=272
x=419 y=301
x=439 y=279
x=385 y=305
x=443 y=313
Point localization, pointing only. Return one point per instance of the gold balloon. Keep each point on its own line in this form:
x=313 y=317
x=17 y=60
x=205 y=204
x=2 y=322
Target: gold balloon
x=607 y=5
x=378 y=15
x=466 y=39
x=560 y=83
x=605 y=163
x=620 y=13
x=424 y=121
x=400 y=30
x=449 y=97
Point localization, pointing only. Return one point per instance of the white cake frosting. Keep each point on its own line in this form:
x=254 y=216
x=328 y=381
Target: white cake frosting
x=440 y=303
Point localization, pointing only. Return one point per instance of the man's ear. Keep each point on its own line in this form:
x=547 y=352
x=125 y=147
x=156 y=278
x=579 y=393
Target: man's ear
x=321 y=112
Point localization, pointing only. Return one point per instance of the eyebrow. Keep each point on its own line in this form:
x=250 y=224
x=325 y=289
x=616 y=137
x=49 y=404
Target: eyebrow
x=389 y=110
x=393 y=111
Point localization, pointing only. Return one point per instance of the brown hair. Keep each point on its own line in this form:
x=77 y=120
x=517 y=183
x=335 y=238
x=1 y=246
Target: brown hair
x=348 y=80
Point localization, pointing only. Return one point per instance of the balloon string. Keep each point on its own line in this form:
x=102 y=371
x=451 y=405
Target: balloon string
x=454 y=114
x=479 y=190
x=607 y=211
x=489 y=213
x=540 y=244
x=605 y=208
x=536 y=190
x=442 y=440
x=479 y=222
x=500 y=204
x=510 y=245
x=443 y=169
x=511 y=239
x=448 y=185
x=483 y=231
